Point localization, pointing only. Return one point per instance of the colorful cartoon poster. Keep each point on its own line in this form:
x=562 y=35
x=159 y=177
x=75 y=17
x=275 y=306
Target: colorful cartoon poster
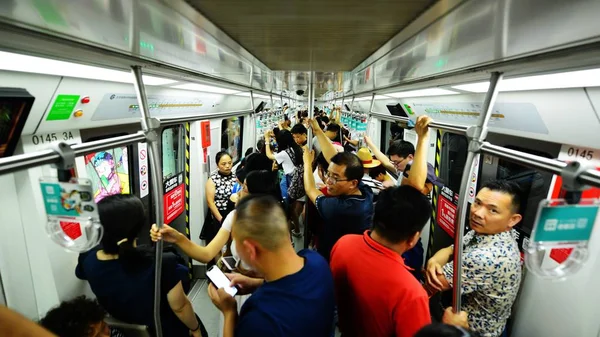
x=109 y=172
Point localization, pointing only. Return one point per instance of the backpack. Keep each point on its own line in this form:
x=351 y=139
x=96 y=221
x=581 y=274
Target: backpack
x=296 y=186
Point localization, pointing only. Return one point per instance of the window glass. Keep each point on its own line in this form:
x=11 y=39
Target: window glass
x=533 y=183
x=454 y=157
x=173 y=151
x=390 y=131
x=231 y=137
x=109 y=172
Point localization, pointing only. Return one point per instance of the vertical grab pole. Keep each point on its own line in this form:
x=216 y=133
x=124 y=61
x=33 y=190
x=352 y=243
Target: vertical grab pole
x=368 y=119
x=253 y=119
x=311 y=107
x=150 y=127
x=476 y=135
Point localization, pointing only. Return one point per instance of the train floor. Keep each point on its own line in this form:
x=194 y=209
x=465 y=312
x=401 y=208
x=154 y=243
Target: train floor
x=207 y=311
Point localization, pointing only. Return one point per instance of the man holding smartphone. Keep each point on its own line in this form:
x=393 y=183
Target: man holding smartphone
x=376 y=294
x=295 y=296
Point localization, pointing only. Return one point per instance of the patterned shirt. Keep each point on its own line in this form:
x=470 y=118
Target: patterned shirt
x=223 y=188
x=491 y=275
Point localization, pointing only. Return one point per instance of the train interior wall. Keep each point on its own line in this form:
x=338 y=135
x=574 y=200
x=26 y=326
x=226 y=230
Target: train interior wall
x=37 y=274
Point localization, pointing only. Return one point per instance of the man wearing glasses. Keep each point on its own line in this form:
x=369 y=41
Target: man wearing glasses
x=401 y=154
x=348 y=206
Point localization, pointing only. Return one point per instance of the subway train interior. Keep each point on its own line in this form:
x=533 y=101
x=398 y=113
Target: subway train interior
x=115 y=92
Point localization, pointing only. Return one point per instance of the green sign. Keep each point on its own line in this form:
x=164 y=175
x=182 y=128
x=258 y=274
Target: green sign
x=566 y=223
x=63 y=107
x=49 y=13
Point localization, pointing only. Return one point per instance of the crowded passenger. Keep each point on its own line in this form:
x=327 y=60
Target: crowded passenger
x=375 y=291
x=348 y=206
x=380 y=174
x=218 y=190
x=79 y=317
x=292 y=189
x=300 y=134
x=121 y=275
x=294 y=297
x=368 y=163
x=491 y=265
x=401 y=154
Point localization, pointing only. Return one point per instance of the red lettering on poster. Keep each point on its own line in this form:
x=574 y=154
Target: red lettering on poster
x=446 y=215
x=72 y=229
x=560 y=255
x=174 y=203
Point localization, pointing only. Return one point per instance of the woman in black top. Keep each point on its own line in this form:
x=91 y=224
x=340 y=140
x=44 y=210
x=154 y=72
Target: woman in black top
x=121 y=275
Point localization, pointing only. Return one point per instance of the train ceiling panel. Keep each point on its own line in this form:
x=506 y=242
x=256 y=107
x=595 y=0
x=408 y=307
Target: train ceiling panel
x=333 y=35
x=119 y=33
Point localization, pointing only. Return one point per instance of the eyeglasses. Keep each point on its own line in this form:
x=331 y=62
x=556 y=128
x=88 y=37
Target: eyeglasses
x=333 y=179
x=396 y=163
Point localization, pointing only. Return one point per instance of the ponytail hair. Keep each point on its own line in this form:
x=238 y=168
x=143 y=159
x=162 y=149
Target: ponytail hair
x=122 y=216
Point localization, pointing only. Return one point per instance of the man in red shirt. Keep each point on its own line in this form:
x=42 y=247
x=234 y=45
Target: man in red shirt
x=376 y=294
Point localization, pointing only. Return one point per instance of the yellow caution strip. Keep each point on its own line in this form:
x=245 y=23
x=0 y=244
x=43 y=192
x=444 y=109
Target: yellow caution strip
x=187 y=189
x=436 y=192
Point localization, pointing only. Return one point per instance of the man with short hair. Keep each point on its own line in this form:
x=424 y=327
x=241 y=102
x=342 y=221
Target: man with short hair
x=299 y=132
x=295 y=296
x=376 y=294
x=401 y=154
x=332 y=131
x=491 y=265
x=348 y=206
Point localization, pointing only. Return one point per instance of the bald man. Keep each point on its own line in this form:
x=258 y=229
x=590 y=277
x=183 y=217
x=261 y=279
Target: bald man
x=295 y=296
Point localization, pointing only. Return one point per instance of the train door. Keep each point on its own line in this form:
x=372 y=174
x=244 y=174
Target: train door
x=450 y=156
x=175 y=160
x=534 y=184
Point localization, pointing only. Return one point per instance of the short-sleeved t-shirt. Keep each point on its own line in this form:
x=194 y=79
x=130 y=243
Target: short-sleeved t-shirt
x=284 y=159
x=297 y=305
x=346 y=214
x=129 y=296
x=376 y=294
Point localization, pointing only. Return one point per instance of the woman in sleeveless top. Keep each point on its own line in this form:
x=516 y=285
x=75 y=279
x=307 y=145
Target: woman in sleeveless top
x=218 y=190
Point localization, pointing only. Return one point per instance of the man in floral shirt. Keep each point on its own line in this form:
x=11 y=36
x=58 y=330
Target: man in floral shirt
x=491 y=265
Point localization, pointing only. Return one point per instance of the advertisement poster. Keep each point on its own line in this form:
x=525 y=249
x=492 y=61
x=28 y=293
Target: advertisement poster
x=447 y=210
x=174 y=203
x=173 y=200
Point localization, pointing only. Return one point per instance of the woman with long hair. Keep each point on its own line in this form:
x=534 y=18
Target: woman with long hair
x=290 y=158
x=121 y=274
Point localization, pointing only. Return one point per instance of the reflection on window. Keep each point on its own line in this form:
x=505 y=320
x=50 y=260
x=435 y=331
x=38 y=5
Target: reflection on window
x=173 y=151
x=454 y=157
x=533 y=183
x=109 y=172
x=231 y=137
x=390 y=132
